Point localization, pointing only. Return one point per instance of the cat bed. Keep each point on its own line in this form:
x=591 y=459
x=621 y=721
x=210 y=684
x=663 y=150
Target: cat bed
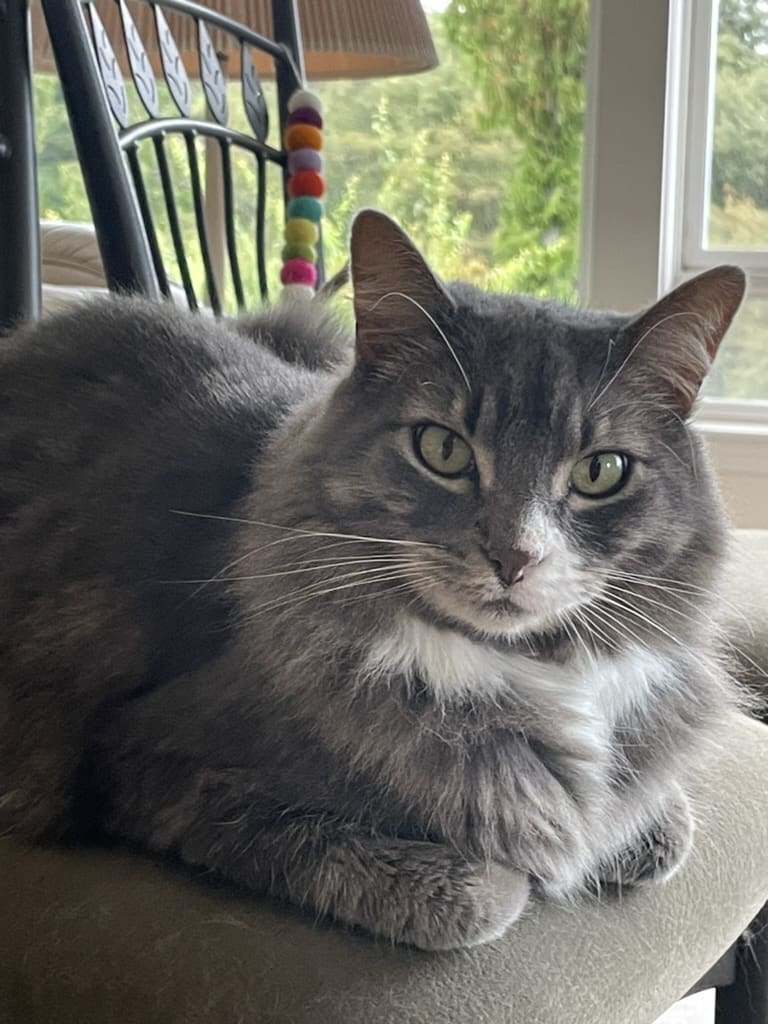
x=100 y=936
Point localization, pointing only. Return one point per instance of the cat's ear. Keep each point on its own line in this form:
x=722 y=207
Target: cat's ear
x=395 y=292
x=672 y=344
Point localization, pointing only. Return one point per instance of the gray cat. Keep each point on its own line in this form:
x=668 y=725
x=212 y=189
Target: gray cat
x=396 y=634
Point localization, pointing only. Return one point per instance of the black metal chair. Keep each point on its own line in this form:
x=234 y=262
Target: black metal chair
x=112 y=135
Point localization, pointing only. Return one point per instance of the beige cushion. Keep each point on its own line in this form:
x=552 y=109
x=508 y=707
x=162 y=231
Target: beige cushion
x=71 y=266
x=69 y=255
x=109 y=938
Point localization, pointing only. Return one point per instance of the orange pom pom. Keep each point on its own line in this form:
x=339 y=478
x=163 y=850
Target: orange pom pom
x=303 y=136
x=306 y=183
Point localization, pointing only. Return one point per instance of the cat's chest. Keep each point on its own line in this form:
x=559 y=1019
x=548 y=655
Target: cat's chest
x=587 y=694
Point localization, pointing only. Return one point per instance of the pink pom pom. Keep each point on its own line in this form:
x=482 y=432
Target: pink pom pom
x=298 y=271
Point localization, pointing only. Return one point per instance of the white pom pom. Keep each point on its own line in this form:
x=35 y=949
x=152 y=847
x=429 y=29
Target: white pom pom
x=298 y=292
x=304 y=98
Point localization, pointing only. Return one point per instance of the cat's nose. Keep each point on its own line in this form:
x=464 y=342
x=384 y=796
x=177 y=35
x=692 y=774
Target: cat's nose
x=511 y=567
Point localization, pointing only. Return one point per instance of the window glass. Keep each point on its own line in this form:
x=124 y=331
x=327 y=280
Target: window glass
x=738 y=206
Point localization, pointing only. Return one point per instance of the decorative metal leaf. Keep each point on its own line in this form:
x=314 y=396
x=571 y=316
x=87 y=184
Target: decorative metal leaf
x=141 y=69
x=253 y=96
x=111 y=76
x=173 y=66
x=214 y=82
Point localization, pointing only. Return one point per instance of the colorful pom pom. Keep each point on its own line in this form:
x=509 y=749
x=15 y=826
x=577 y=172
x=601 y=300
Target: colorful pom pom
x=304 y=160
x=298 y=292
x=306 y=115
x=307 y=207
x=297 y=271
x=297 y=229
x=303 y=141
x=298 y=136
x=306 y=183
x=299 y=250
x=304 y=98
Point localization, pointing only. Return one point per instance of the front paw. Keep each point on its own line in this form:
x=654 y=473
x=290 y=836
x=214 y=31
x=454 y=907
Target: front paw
x=426 y=895
x=477 y=909
x=656 y=855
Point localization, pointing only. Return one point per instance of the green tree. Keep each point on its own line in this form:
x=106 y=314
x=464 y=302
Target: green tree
x=529 y=58
x=739 y=162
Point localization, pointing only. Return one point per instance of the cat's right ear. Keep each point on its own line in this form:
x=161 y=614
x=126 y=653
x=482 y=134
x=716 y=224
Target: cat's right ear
x=397 y=298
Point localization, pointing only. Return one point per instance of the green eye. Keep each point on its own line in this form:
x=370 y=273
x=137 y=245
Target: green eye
x=442 y=451
x=600 y=475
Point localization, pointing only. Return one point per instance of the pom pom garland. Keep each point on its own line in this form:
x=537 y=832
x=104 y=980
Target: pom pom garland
x=303 y=141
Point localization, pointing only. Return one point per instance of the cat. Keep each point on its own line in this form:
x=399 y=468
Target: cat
x=400 y=627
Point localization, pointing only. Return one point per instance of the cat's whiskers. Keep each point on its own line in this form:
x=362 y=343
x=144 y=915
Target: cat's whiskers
x=692 y=590
x=616 y=625
x=298 y=598
x=714 y=625
x=326 y=575
x=303 y=531
x=594 y=631
x=295 y=534
x=575 y=636
x=391 y=560
x=434 y=323
x=625 y=606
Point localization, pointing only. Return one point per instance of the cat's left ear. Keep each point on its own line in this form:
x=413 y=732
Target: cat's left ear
x=396 y=294
x=672 y=344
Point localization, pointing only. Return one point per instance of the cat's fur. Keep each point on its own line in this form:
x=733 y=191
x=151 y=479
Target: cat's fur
x=242 y=623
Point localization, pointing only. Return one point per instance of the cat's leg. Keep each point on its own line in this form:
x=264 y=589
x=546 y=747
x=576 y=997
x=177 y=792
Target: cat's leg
x=417 y=893
x=657 y=852
x=39 y=760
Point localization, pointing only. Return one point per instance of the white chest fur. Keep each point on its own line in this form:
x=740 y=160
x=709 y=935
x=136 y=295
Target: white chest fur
x=598 y=689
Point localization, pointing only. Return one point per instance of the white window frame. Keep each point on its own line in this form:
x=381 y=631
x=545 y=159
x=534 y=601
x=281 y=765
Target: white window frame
x=644 y=183
x=689 y=129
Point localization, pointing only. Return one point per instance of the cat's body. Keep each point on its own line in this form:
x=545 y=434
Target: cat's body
x=241 y=620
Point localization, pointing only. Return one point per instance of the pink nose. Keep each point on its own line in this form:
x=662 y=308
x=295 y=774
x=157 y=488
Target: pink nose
x=510 y=568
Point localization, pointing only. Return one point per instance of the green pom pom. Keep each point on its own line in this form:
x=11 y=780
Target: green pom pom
x=306 y=207
x=299 y=250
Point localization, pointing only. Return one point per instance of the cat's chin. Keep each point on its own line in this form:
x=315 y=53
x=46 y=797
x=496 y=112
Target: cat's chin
x=495 y=618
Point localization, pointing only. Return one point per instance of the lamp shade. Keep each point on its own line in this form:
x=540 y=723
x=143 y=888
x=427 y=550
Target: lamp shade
x=341 y=38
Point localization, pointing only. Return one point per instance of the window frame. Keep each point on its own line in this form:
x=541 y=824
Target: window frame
x=636 y=234
x=692 y=56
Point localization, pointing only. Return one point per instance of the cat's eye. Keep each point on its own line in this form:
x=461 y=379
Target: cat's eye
x=442 y=450
x=600 y=475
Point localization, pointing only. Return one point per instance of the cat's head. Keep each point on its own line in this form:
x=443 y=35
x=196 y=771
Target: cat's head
x=540 y=454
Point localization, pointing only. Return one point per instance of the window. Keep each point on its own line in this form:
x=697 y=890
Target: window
x=717 y=177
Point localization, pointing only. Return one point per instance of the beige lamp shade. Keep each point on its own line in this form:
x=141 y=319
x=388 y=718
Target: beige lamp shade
x=341 y=38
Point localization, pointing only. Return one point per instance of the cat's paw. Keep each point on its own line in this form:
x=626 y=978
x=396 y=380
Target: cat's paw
x=655 y=856
x=428 y=896
x=479 y=910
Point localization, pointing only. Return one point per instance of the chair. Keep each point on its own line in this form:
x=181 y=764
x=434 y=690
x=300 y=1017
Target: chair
x=99 y=936
x=123 y=136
